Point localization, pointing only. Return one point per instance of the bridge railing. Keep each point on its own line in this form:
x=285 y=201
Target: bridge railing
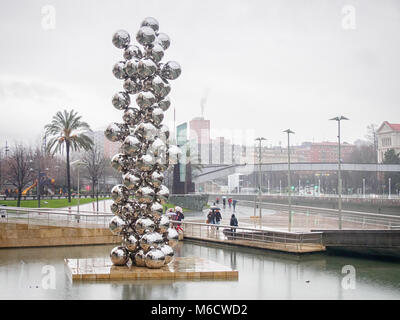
x=54 y=217
x=290 y=241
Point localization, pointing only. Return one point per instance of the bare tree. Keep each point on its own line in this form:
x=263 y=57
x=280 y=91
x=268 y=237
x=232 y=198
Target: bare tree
x=372 y=138
x=95 y=164
x=18 y=169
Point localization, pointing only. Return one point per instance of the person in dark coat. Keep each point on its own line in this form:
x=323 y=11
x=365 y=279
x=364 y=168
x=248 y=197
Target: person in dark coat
x=234 y=202
x=233 y=223
x=218 y=217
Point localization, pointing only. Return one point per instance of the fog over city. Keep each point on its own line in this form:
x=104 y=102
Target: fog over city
x=256 y=65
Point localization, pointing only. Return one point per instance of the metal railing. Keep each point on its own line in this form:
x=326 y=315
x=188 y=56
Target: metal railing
x=288 y=241
x=54 y=217
x=365 y=219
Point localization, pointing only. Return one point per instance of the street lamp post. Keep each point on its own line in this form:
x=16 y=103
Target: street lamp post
x=288 y=131
x=338 y=119
x=78 y=163
x=259 y=139
x=364 y=188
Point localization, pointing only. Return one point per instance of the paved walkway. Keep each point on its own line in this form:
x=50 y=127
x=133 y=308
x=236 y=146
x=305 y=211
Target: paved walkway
x=278 y=221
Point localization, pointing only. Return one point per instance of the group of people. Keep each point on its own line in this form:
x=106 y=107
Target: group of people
x=214 y=217
x=176 y=214
x=231 y=202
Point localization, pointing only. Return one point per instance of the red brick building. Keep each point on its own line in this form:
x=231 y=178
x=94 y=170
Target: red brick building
x=328 y=151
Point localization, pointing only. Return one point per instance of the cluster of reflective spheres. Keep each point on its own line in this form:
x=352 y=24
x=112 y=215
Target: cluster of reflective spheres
x=145 y=153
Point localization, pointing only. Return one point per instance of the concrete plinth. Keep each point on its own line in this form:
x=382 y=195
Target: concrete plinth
x=179 y=268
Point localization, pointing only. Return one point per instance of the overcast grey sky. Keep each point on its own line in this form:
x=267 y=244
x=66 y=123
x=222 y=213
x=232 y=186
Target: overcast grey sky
x=263 y=65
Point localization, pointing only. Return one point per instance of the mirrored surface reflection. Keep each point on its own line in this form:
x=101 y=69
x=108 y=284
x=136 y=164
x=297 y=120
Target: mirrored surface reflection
x=24 y=274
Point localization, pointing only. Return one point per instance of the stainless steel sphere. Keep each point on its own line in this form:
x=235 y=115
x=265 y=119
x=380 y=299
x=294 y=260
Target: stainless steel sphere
x=171 y=70
x=121 y=39
x=131 y=67
x=119 y=256
x=163 y=40
x=146 y=35
x=155 y=179
x=118 y=161
x=143 y=225
x=156 y=209
x=160 y=87
x=130 y=209
x=163 y=133
x=155 y=259
x=157 y=116
x=145 y=99
x=139 y=259
x=131 y=145
x=121 y=100
x=131 y=116
x=116 y=209
x=130 y=242
x=144 y=194
x=145 y=163
x=164 y=104
x=163 y=224
x=132 y=86
x=151 y=239
x=157 y=147
x=168 y=252
x=131 y=181
x=174 y=155
x=172 y=237
x=146 y=131
x=119 y=193
x=116 y=225
x=119 y=70
x=132 y=51
x=156 y=53
x=163 y=194
x=150 y=22
x=146 y=68
x=113 y=132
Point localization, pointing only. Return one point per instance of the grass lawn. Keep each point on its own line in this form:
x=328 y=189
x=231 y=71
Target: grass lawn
x=171 y=205
x=47 y=203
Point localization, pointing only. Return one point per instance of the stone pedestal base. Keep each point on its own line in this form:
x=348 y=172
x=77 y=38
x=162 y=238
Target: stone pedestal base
x=179 y=268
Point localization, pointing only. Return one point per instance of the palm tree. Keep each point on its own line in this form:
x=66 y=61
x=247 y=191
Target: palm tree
x=67 y=129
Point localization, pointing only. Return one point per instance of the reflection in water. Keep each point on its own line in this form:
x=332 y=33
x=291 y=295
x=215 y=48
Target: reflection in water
x=262 y=275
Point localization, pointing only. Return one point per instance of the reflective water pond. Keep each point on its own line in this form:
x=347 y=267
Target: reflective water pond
x=27 y=274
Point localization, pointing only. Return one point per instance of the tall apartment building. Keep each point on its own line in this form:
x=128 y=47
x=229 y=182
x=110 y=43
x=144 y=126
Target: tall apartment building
x=199 y=137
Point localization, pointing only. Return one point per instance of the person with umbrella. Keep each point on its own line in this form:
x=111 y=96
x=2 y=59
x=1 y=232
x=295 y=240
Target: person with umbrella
x=178 y=217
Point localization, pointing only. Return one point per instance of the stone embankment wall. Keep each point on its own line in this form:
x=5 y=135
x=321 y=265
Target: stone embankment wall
x=195 y=202
x=24 y=235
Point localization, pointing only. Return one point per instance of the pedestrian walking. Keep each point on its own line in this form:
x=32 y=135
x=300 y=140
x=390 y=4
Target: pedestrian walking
x=233 y=223
x=234 y=202
x=217 y=200
x=218 y=217
x=230 y=202
x=224 y=201
x=178 y=217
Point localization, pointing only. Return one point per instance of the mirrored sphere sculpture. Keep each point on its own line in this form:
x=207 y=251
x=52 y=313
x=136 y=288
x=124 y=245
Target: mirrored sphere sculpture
x=147 y=235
